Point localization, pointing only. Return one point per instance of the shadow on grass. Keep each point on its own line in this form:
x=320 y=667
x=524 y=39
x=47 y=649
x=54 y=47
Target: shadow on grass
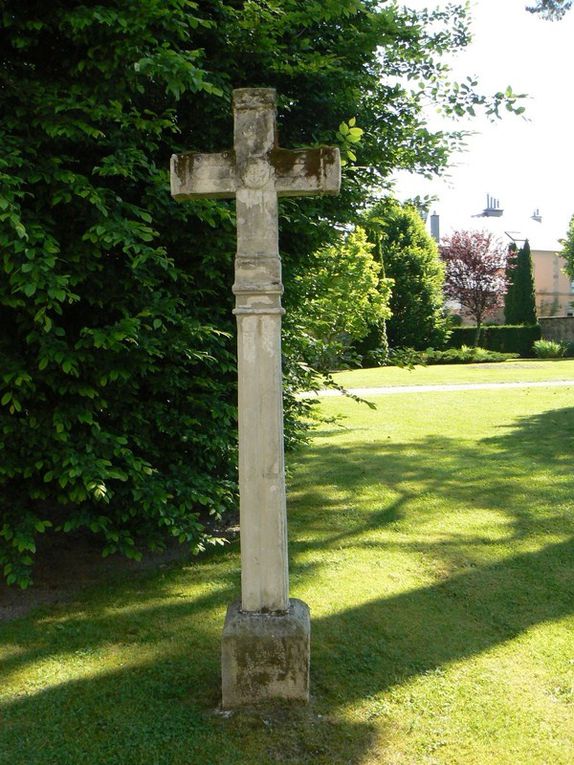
x=523 y=476
x=546 y=437
x=154 y=702
x=418 y=631
x=394 y=639
x=142 y=686
x=162 y=709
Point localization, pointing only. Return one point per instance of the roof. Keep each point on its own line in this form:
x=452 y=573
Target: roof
x=509 y=227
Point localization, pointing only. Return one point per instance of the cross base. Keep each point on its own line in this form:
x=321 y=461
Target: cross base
x=265 y=656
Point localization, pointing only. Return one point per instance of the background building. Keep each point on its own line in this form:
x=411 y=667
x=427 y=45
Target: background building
x=554 y=289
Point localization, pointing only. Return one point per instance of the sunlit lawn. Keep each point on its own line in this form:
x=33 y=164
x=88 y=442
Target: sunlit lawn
x=519 y=370
x=432 y=538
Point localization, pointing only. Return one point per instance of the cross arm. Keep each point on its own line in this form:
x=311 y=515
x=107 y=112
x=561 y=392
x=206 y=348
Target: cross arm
x=306 y=172
x=195 y=176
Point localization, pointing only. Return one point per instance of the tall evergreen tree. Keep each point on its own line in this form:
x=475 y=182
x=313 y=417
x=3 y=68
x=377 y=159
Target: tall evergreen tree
x=510 y=295
x=383 y=335
x=520 y=299
x=376 y=340
x=411 y=259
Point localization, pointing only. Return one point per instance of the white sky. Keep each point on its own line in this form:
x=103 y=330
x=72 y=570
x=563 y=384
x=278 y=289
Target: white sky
x=525 y=163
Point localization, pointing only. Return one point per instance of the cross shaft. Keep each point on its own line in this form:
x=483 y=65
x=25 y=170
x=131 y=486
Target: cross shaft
x=256 y=173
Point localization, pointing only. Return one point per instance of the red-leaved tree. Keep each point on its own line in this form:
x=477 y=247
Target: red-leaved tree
x=476 y=273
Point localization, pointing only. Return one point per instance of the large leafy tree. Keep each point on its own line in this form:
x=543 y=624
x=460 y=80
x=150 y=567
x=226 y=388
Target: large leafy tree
x=520 y=297
x=343 y=295
x=411 y=259
x=115 y=404
x=476 y=276
x=116 y=374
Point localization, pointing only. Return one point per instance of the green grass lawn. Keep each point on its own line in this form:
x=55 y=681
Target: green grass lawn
x=519 y=370
x=433 y=539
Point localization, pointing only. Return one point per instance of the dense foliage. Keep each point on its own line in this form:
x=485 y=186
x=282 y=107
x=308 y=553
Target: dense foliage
x=411 y=259
x=117 y=368
x=342 y=296
x=476 y=273
x=520 y=297
x=116 y=374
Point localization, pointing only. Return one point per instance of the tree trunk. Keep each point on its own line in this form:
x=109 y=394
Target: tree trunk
x=477 y=333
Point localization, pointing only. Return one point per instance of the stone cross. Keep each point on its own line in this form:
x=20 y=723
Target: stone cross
x=256 y=172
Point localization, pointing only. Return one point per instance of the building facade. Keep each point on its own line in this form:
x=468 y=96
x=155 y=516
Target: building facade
x=554 y=289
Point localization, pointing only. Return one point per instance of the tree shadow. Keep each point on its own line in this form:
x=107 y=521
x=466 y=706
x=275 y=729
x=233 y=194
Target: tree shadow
x=522 y=476
x=143 y=686
x=505 y=475
x=155 y=702
x=162 y=707
x=544 y=438
x=416 y=632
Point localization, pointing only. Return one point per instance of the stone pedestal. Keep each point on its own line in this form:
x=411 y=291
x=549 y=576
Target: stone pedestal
x=265 y=656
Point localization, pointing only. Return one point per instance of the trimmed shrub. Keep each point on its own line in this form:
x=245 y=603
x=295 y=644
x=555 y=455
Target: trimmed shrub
x=549 y=349
x=465 y=355
x=410 y=358
x=504 y=338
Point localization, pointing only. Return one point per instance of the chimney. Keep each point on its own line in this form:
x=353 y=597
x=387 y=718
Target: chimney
x=492 y=209
x=435 y=227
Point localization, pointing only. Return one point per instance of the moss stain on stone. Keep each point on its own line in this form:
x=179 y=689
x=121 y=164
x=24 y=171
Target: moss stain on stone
x=313 y=163
x=184 y=166
x=285 y=160
x=265 y=656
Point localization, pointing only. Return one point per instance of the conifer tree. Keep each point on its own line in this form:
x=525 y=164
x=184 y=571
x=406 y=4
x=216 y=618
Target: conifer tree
x=411 y=259
x=567 y=251
x=510 y=296
x=520 y=303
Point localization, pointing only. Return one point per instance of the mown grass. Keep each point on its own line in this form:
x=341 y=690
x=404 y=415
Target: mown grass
x=432 y=538
x=518 y=370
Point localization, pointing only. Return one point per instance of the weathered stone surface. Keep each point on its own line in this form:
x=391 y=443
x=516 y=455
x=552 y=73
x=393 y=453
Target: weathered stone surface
x=265 y=656
x=196 y=176
x=307 y=172
x=265 y=650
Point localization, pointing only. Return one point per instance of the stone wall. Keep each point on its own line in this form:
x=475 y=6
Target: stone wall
x=560 y=328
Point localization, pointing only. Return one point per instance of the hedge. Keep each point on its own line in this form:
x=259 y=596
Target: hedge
x=505 y=338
